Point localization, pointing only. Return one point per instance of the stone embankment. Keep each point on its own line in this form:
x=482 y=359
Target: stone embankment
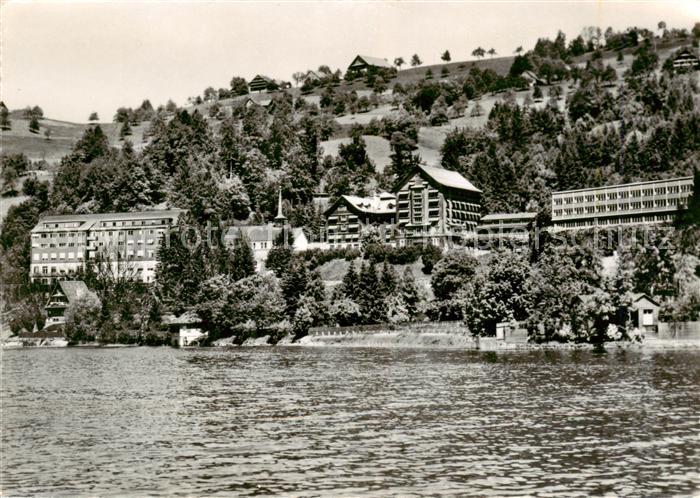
x=32 y=342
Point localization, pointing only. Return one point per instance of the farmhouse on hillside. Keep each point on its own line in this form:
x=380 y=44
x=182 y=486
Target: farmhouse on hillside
x=312 y=77
x=363 y=63
x=262 y=83
x=686 y=60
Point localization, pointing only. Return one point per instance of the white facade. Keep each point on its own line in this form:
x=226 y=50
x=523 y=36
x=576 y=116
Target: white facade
x=189 y=334
x=61 y=245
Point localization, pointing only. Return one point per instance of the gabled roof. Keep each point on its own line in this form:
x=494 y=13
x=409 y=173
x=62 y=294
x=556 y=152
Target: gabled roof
x=447 y=178
x=372 y=61
x=640 y=295
x=384 y=203
x=259 y=102
x=685 y=53
x=378 y=204
x=313 y=74
x=73 y=289
x=260 y=77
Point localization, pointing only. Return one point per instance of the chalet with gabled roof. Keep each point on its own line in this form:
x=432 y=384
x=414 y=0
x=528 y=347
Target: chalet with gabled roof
x=364 y=62
x=65 y=293
x=686 y=61
x=350 y=216
x=259 y=83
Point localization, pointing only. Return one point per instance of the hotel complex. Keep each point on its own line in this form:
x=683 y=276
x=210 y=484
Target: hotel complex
x=61 y=245
x=429 y=205
x=628 y=204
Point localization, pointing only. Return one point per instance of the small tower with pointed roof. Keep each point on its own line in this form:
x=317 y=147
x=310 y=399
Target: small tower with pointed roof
x=280 y=219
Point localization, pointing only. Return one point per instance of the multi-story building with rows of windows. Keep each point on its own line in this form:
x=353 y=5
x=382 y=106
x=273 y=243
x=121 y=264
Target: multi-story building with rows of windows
x=628 y=204
x=429 y=205
x=350 y=216
x=61 y=245
x=435 y=205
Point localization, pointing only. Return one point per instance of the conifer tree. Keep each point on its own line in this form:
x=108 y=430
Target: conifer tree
x=350 y=284
x=294 y=284
x=242 y=262
x=409 y=292
x=387 y=282
x=370 y=294
x=125 y=130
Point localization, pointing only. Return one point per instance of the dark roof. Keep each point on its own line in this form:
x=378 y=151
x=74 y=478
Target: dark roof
x=372 y=61
x=640 y=295
x=685 y=53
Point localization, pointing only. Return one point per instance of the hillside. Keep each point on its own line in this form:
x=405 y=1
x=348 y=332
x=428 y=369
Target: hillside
x=64 y=134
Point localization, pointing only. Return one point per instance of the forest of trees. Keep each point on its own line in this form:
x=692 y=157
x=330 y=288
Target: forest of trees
x=231 y=169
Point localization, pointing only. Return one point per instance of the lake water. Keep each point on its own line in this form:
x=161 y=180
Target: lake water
x=308 y=421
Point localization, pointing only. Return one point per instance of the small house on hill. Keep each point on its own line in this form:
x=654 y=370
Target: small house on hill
x=263 y=83
x=364 y=62
x=312 y=77
x=66 y=293
x=532 y=79
x=259 y=83
x=686 y=60
x=264 y=103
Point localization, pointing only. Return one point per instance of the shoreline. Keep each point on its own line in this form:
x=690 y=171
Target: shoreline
x=386 y=340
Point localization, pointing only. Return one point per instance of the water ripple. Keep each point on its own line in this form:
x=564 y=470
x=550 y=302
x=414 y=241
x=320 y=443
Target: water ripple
x=348 y=422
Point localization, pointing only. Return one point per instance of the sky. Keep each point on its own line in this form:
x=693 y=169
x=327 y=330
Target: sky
x=72 y=58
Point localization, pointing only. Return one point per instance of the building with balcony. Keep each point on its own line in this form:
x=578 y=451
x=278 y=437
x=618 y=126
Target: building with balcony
x=435 y=205
x=350 y=216
x=66 y=293
x=627 y=204
x=62 y=245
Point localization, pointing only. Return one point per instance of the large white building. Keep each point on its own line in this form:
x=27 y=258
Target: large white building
x=628 y=204
x=61 y=245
